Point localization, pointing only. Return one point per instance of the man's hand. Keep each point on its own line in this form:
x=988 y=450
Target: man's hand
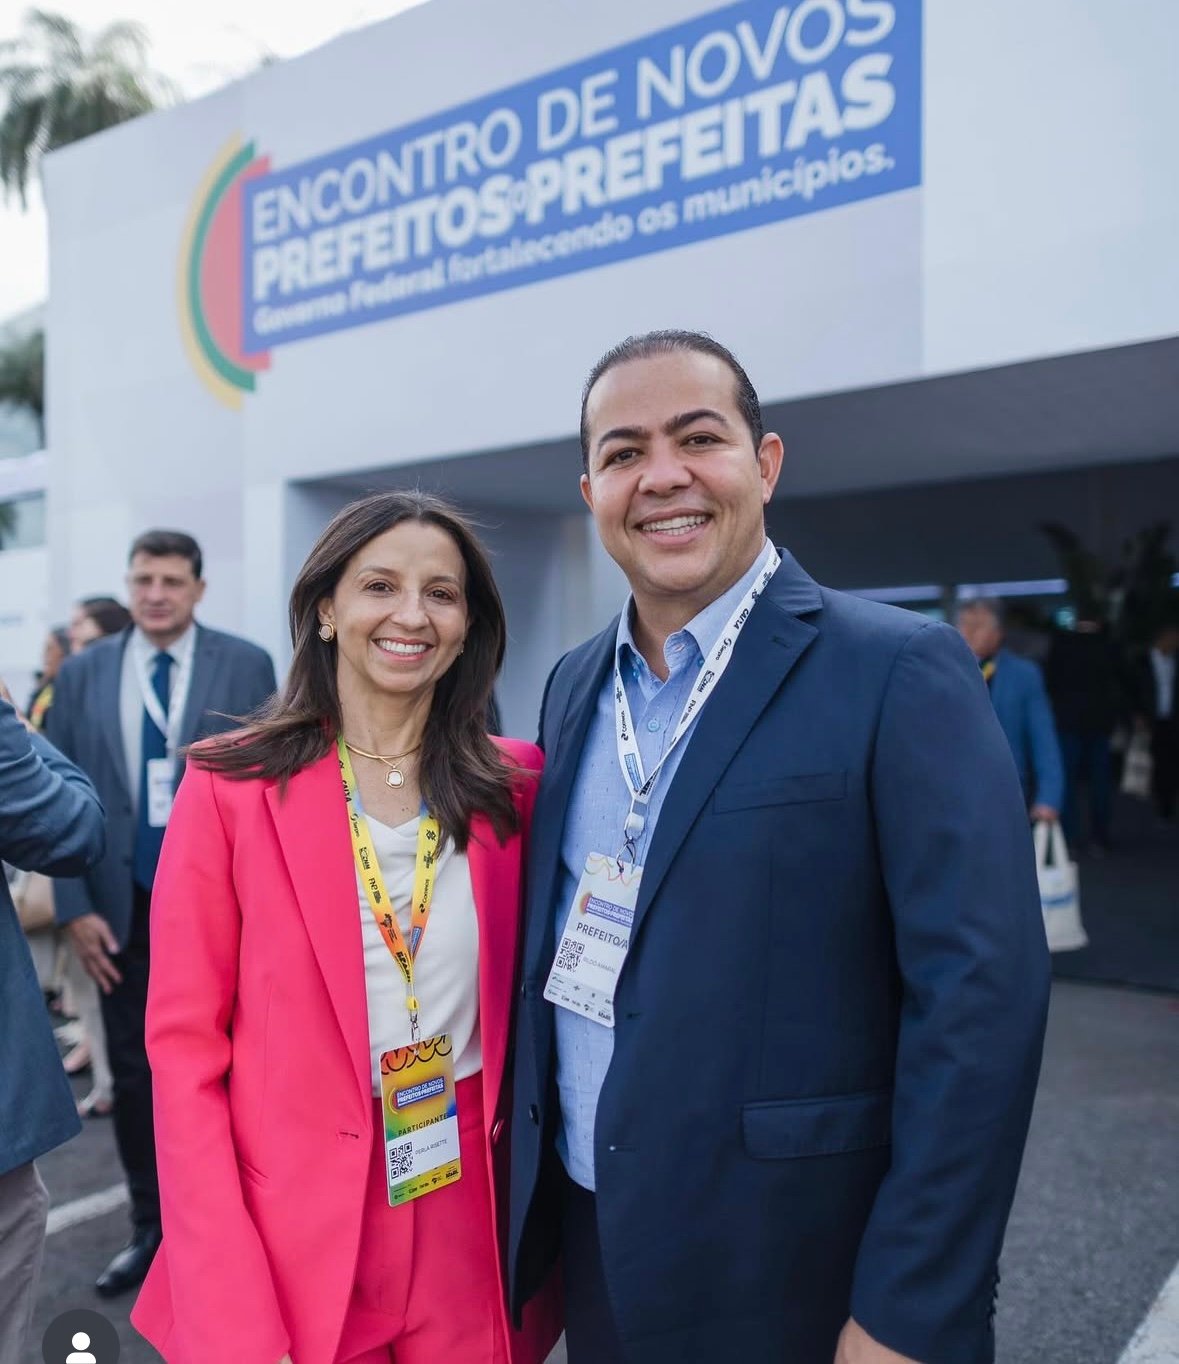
x=1048 y=813
x=286 y=1359
x=95 y=945
x=856 y=1346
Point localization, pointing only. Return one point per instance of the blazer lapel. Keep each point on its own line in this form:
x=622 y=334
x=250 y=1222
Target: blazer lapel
x=312 y=830
x=771 y=643
x=495 y=884
x=556 y=787
x=205 y=651
x=109 y=698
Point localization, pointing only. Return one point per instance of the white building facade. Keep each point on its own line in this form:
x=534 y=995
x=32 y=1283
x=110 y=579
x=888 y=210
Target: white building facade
x=941 y=238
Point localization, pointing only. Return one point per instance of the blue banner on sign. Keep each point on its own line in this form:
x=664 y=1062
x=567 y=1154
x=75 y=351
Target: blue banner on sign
x=746 y=116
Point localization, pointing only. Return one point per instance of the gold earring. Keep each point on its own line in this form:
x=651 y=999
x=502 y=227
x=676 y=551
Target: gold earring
x=327 y=632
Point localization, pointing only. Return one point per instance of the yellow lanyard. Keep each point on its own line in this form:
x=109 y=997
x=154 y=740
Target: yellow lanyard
x=369 y=871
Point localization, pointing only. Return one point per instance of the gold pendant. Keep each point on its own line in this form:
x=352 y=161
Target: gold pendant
x=394 y=778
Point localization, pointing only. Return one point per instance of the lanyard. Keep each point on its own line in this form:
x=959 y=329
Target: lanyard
x=639 y=783
x=369 y=871
x=168 y=725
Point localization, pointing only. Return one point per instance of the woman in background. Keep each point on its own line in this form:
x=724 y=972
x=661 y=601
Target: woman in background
x=94 y=618
x=54 y=653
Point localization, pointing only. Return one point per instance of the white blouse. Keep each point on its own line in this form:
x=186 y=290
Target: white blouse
x=446 y=972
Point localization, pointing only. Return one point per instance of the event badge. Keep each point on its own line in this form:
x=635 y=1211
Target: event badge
x=160 y=790
x=421 y=1119
x=595 y=939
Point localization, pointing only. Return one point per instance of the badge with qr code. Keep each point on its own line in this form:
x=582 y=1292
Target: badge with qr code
x=595 y=939
x=421 y=1119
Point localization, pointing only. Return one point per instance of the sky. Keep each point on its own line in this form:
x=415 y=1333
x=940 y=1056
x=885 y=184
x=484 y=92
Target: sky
x=199 y=49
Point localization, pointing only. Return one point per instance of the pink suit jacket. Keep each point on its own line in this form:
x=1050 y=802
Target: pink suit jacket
x=257 y=1032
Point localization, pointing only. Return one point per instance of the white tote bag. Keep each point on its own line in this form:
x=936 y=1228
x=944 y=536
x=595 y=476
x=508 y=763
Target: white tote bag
x=1136 y=767
x=1060 y=896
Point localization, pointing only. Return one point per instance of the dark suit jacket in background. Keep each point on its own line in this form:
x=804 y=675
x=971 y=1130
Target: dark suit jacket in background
x=1086 y=680
x=230 y=677
x=50 y=821
x=830 y=1020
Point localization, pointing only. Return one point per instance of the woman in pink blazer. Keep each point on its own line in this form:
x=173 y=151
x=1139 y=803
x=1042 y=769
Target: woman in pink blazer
x=336 y=917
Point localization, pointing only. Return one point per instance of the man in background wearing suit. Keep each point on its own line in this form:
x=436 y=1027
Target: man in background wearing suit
x=784 y=978
x=1021 y=702
x=50 y=821
x=123 y=711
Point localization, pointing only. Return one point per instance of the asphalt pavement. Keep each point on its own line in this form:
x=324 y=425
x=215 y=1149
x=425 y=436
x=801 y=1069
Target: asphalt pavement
x=1093 y=1236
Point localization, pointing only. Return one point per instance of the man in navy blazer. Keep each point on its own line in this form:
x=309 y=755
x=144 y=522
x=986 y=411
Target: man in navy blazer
x=50 y=821
x=799 y=1140
x=1021 y=702
x=125 y=709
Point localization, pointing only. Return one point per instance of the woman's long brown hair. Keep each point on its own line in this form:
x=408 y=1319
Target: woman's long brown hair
x=461 y=771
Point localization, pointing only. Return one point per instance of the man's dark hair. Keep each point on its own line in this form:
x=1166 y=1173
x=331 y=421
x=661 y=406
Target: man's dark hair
x=159 y=543
x=669 y=343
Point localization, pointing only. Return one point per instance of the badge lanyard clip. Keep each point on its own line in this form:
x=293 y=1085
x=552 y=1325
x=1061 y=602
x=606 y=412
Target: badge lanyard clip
x=632 y=831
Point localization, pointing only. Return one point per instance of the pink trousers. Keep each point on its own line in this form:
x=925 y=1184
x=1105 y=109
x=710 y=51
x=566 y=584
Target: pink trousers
x=426 y=1289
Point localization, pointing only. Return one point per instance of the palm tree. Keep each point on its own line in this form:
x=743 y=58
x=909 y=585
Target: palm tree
x=22 y=375
x=58 y=86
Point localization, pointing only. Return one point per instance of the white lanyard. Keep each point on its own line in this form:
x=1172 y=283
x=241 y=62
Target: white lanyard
x=168 y=725
x=639 y=783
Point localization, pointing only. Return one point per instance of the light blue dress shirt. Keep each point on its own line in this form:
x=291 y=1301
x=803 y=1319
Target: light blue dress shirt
x=594 y=820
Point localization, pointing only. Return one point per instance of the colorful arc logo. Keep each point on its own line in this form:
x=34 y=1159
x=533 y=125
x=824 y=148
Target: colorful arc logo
x=210 y=282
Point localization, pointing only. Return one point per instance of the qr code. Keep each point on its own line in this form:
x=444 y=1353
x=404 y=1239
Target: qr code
x=401 y=1160
x=568 y=955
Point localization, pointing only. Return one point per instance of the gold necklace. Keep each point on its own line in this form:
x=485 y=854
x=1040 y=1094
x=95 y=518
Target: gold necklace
x=394 y=776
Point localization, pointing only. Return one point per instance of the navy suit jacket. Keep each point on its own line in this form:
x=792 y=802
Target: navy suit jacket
x=830 y=1020
x=230 y=677
x=50 y=821
x=1025 y=713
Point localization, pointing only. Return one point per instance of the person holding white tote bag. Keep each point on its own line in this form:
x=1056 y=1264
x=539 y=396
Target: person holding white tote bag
x=1060 y=895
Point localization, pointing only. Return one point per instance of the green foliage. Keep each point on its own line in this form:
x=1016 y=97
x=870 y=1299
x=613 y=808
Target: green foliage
x=1086 y=575
x=58 y=86
x=1143 y=584
x=22 y=376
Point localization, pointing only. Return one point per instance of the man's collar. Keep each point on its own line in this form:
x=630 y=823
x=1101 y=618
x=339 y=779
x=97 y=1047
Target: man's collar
x=179 y=649
x=706 y=625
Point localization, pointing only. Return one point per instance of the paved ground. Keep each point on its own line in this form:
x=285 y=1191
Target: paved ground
x=1094 y=1232
x=1130 y=905
x=1093 y=1237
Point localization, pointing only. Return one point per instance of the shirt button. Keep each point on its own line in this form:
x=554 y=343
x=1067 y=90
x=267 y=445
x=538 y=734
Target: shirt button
x=653 y=726
x=700 y=660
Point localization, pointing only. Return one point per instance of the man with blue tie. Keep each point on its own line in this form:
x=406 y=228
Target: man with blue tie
x=784 y=976
x=126 y=707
